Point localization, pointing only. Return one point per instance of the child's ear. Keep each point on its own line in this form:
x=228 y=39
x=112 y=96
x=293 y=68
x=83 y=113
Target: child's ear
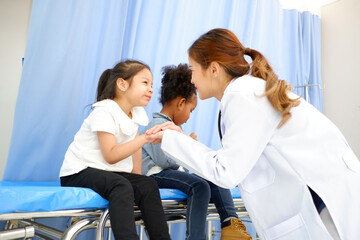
x=122 y=84
x=181 y=103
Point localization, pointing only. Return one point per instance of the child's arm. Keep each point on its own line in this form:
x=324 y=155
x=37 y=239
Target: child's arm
x=113 y=153
x=137 y=160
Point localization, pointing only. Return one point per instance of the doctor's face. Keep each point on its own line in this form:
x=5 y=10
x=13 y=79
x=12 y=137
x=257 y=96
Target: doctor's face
x=201 y=79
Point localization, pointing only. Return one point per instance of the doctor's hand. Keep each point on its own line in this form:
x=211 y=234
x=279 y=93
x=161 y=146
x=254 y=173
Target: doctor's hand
x=193 y=136
x=155 y=138
x=163 y=127
x=155 y=133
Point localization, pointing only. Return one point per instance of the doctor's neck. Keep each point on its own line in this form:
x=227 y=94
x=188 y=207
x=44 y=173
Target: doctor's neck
x=220 y=83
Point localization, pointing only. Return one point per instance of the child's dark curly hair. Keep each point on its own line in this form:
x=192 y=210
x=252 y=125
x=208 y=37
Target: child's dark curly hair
x=176 y=81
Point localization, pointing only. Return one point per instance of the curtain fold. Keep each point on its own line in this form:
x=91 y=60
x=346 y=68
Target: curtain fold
x=70 y=43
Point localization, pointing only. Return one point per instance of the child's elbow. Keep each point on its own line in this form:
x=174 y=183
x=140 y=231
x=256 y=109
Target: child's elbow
x=109 y=159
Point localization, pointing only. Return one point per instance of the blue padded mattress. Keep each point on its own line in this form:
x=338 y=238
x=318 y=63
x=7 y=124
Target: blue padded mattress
x=50 y=196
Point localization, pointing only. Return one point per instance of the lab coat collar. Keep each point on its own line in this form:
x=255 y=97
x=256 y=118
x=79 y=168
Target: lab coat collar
x=229 y=86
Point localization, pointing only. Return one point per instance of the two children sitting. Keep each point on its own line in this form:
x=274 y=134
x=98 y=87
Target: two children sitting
x=178 y=98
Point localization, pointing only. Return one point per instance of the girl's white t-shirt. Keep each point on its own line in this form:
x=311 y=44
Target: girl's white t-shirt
x=107 y=116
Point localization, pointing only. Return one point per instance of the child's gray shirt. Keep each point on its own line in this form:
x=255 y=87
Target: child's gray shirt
x=151 y=153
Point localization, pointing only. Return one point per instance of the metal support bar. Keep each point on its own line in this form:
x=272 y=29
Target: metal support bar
x=209 y=230
x=42 y=228
x=142 y=232
x=25 y=233
x=101 y=225
x=99 y=220
x=109 y=234
x=169 y=226
x=78 y=227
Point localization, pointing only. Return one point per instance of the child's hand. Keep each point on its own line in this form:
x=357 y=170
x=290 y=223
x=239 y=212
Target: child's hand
x=193 y=136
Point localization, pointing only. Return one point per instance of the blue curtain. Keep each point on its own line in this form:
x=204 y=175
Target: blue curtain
x=70 y=43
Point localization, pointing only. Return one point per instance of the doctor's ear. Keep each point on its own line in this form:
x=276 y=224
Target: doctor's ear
x=214 y=69
x=122 y=84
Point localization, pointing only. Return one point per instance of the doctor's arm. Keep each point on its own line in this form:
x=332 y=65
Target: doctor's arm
x=248 y=130
x=158 y=156
x=155 y=152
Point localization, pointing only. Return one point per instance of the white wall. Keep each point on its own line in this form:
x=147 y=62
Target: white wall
x=340 y=66
x=14 y=25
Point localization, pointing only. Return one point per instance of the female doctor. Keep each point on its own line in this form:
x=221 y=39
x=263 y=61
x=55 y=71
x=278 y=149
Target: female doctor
x=297 y=175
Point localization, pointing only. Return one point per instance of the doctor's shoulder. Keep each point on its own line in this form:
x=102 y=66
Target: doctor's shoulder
x=246 y=85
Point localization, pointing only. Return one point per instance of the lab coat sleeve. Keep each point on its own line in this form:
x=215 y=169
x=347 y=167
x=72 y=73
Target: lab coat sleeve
x=192 y=155
x=158 y=156
x=249 y=125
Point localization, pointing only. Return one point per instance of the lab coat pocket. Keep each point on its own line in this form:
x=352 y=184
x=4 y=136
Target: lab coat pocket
x=351 y=161
x=261 y=176
x=292 y=228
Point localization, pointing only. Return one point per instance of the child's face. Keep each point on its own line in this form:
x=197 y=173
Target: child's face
x=140 y=90
x=183 y=115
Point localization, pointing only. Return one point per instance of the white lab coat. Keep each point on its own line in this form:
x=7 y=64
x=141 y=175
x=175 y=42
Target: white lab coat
x=273 y=167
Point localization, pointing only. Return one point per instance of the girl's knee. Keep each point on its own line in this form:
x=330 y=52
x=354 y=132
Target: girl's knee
x=122 y=186
x=150 y=185
x=147 y=192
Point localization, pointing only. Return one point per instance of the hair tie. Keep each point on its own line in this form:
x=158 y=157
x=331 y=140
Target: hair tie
x=246 y=51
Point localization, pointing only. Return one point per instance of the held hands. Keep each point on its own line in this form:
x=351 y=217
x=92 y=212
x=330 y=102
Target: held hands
x=155 y=134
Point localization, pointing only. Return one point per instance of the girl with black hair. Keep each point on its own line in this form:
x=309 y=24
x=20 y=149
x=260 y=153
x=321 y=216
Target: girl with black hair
x=106 y=152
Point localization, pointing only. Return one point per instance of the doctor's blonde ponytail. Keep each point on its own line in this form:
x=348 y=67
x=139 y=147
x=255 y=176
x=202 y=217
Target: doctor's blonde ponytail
x=222 y=46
